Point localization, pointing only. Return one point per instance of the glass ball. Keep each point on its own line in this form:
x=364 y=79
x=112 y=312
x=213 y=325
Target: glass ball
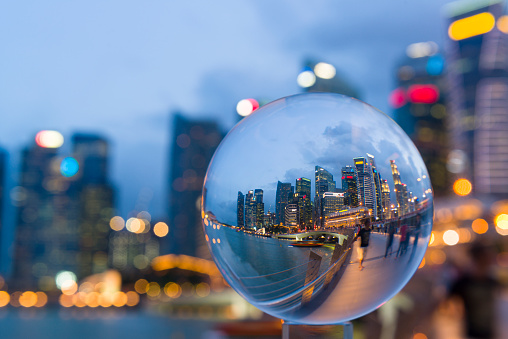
x=317 y=208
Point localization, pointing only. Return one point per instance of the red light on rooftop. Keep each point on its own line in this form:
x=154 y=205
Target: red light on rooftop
x=398 y=98
x=423 y=94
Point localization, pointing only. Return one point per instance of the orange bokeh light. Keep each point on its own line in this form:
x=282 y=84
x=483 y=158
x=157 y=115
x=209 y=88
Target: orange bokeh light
x=480 y=226
x=462 y=187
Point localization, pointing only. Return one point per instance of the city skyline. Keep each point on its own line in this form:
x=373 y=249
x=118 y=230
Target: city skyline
x=252 y=206
x=292 y=152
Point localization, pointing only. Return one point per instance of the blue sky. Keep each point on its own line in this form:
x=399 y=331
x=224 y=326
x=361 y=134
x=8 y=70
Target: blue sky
x=119 y=68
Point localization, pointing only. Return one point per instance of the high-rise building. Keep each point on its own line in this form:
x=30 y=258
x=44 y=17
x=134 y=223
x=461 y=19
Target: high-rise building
x=291 y=215
x=193 y=146
x=401 y=192
x=269 y=220
x=350 y=186
x=302 y=194
x=333 y=202
x=47 y=229
x=132 y=250
x=240 y=210
x=478 y=89
x=283 y=194
x=95 y=198
x=385 y=199
x=324 y=183
x=376 y=176
x=250 y=210
x=419 y=103
x=366 y=186
x=260 y=208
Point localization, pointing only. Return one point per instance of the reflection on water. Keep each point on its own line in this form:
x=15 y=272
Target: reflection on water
x=325 y=250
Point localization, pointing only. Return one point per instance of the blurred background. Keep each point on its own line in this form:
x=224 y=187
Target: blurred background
x=111 y=111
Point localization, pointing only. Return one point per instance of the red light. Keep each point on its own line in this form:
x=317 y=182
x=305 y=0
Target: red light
x=350 y=177
x=423 y=94
x=398 y=98
x=255 y=104
x=343 y=178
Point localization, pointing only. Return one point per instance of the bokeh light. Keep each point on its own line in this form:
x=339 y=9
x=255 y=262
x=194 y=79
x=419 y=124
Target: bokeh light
x=140 y=286
x=49 y=139
x=5 y=298
x=63 y=277
x=471 y=26
x=160 y=229
x=246 y=106
x=421 y=49
x=69 y=167
x=502 y=24
x=480 y=226
x=501 y=221
x=135 y=225
x=28 y=299
x=462 y=187
x=324 y=70
x=117 y=223
x=398 y=98
x=451 y=237
x=306 y=78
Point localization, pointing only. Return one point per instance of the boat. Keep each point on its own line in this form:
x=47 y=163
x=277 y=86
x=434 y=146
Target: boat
x=306 y=244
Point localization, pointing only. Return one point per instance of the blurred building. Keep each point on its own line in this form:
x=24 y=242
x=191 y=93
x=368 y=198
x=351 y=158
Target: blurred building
x=323 y=77
x=47 y=229
x=133 y=248
x=64 y=207
x=419 y=102
x=95 y=197
x=3 y=167
x=192 y=149
x=478 y=78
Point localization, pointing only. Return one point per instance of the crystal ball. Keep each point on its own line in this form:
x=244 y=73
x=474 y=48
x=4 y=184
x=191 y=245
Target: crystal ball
x=317 y=208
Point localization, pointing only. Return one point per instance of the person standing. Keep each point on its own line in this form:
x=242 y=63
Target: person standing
x=364 y=235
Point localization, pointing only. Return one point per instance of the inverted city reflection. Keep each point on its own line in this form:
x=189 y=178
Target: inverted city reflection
x=317 y=208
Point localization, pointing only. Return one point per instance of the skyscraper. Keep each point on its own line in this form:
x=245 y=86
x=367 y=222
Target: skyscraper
x=281 y=200
x=95 y=197
x=385 y=199
x=419 y=103
x=250 y=210
x=324 y=183
x=260 y=208
x=302 y=194
x=350 y=186
x=478 y=81
x=366 y=186
x=193 y=145
x=401 y=193
x=377 y=186
x=47 y=228
x=240 y=210
x=333 y=202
